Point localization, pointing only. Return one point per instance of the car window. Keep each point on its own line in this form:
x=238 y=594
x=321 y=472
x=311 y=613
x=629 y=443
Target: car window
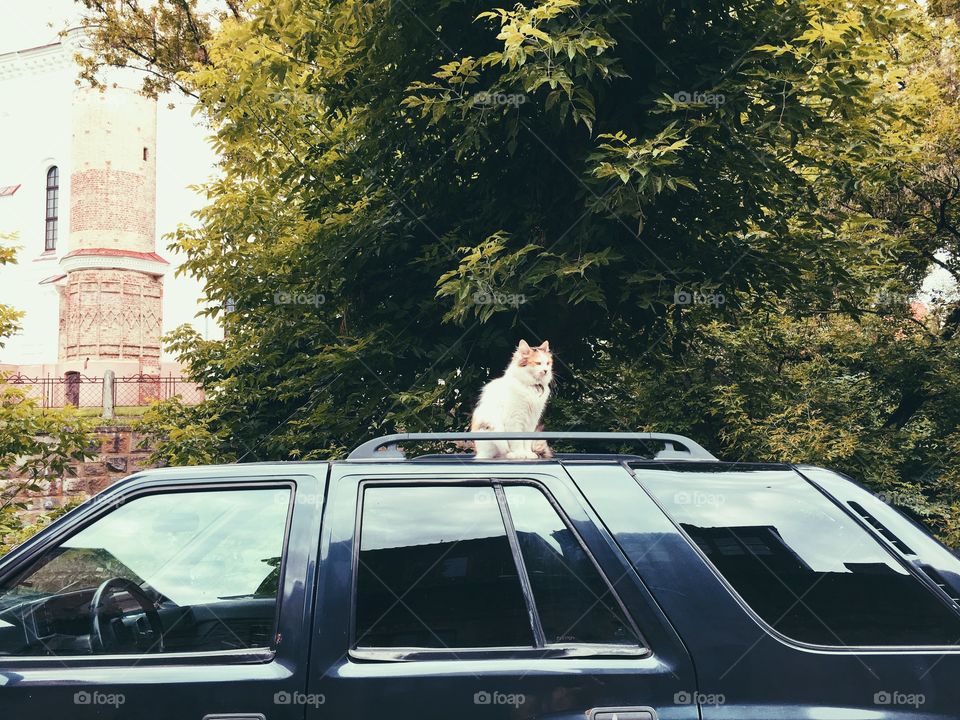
x=439 y=567
x=435 y=570
x=168 y=572
x=800 y=562
x=575 y=604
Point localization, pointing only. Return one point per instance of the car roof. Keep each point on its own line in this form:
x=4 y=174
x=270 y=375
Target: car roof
x=678 y=452
x=280 y=467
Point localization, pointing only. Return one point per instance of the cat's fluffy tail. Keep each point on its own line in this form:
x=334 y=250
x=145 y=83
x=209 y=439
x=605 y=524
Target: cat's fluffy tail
x=541 y=448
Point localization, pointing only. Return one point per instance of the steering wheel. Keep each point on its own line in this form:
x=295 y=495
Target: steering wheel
x=110 y=634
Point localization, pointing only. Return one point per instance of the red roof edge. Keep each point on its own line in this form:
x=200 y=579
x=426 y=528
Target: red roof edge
x=52 y=279
x=114 y=252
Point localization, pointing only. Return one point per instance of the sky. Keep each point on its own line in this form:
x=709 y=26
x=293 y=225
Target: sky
x=33 y=22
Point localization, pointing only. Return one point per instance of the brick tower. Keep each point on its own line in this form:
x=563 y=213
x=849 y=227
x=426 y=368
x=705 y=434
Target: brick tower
x=111 y=298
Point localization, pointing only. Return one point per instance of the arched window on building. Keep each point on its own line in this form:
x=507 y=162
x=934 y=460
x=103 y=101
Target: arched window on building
x=53 y=202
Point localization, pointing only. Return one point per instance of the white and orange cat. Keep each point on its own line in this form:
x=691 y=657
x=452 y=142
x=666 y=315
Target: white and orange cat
x=514 y=402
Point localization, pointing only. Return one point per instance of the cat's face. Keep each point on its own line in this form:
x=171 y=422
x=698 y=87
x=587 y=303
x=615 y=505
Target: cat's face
x=534 y=362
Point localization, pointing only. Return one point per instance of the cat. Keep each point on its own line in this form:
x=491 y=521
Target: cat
x=514 y=402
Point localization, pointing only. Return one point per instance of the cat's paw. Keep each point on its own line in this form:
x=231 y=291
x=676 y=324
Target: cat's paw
x=522 y=455
x=540 y=447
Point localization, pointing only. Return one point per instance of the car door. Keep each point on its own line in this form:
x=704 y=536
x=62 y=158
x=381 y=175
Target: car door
x=178 y=594
x=483 y=592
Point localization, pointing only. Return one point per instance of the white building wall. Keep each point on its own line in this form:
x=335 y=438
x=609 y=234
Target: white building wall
x=35 y=133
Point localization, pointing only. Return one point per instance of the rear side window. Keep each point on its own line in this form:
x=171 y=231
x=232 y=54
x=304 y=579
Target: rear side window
x=800 y=562
x=574 y=603
x=494 y=566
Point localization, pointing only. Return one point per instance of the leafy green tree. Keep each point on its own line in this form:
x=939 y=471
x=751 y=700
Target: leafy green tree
x=181 y=434
x=36 y=445
x=9 y=317
x=409 y=188
x=160 y=38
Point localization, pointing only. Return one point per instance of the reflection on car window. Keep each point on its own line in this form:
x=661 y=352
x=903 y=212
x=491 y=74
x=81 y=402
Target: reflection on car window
x=803 y=565
x=574 y=602
x=436 y=571
x=69 y=567
x=194 y=547
x=186 y=571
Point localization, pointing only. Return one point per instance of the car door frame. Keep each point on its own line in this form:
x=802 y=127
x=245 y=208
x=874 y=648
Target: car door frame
x=333 y=658
x=279 y=672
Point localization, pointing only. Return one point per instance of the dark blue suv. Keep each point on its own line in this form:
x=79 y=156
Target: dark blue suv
x=602 y=586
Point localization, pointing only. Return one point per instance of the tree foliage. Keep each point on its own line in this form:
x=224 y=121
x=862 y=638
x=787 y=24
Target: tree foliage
x=37 y=446
x=25 y=532
x=408 y=188
x=160 y=38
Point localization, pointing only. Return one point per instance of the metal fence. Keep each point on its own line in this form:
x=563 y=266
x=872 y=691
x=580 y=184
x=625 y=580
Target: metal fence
x=82 y=391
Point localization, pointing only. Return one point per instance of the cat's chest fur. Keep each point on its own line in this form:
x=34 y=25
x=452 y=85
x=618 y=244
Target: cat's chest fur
x=516 y=399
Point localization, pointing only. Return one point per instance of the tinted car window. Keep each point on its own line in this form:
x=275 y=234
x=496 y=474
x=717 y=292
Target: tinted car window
x=435 y=570
x=574 y=602
x=171 y=572
x=803 y=565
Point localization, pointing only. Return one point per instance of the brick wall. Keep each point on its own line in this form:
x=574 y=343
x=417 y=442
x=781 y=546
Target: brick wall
x=117 y=456
x=114 y=170
x=111 y=314
x=113 y=206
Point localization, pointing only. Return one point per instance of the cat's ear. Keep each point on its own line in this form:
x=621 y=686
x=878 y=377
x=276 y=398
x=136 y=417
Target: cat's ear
x=523 y=348
x=545 y=346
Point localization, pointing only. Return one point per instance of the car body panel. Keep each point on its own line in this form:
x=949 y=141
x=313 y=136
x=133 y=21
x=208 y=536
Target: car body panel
x=745 y=670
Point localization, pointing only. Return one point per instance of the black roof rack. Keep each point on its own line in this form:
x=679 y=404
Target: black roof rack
x=677 y=447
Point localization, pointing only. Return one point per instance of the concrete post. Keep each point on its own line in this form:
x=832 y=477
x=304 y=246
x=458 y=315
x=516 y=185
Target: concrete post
x=109 y=393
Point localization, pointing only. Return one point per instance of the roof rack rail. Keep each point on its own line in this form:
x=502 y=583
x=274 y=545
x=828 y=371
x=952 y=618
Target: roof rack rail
x=677 y=446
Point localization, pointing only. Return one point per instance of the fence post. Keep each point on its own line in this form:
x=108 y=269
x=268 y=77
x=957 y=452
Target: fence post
x=72 y=381
x=109 y=386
